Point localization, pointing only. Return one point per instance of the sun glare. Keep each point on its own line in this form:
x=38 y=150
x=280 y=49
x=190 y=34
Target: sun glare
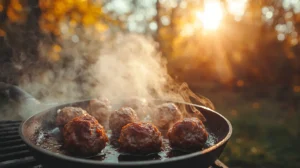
x=211 y=16
x=237 y=8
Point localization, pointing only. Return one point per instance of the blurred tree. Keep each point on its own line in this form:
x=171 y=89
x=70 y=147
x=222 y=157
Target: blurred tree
x=20 y=39
x=258 y=48
x=256 y=52
x=27 y=25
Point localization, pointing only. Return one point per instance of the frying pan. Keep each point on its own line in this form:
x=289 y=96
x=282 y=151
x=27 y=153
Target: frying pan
x=33 y=129
x=40 y=124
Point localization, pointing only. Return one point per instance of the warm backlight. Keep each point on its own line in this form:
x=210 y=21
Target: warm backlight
x=211 y=16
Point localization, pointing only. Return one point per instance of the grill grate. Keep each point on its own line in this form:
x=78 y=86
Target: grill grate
x=13 y=151
x=15 y=154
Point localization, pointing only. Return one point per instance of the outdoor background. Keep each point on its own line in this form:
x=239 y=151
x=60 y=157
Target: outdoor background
x=244 y=55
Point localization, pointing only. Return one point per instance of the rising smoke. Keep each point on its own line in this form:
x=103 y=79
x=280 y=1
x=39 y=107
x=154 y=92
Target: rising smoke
x=125 y=66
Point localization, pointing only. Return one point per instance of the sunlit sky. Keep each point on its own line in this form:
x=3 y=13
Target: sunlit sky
x=210 y=18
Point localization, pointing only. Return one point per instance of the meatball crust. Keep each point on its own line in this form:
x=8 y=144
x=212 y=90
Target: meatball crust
x=100 y=109
x=66 y=114
x=139 y=105
x=140 y=138
x=84 y=136
x=120 y=118
x=188 y=134
x=165 y=115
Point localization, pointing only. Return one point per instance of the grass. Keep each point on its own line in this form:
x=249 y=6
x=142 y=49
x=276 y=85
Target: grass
x=265 y=130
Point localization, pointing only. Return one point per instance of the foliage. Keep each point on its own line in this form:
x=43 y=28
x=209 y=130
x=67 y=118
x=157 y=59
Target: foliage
x=237 y=51
x=85 y=13
x=36 y=31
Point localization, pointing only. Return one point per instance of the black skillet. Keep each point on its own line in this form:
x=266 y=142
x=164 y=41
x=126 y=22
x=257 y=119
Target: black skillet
x=43 y=138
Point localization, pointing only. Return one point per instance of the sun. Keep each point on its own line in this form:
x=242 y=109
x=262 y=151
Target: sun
x=211 y=16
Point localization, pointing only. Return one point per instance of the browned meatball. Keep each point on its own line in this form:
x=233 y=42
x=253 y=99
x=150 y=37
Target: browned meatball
x=66 y=114
x=188 y=134
x=120 y=118
x=139 y=105
x=100 y=109
x=140 y=138
x=165 y=115
x=84 y=136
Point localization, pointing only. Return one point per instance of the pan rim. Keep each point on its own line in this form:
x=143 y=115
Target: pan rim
x=127 y=163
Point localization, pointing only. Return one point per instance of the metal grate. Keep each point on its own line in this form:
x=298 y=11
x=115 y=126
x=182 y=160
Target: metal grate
x=13 y=151
x=15 y=154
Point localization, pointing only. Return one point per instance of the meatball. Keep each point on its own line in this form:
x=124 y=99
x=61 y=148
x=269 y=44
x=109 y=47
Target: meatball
x=100 y=109
x=165 y=115
x=84 y=136
x=140 y=138
x=188 y=134
x=120 y=118
x=66 y=114
x=140 y=105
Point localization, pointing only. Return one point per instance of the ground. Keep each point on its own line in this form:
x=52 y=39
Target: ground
x=265 y=127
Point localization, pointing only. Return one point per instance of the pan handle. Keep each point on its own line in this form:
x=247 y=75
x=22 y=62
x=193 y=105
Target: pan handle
x=16 y=94
x=23 y=104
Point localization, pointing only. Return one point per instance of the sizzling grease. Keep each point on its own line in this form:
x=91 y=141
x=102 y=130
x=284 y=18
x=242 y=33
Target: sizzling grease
x=52 y=140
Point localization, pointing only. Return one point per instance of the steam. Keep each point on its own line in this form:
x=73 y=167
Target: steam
x=127 y=65
x=130 y=66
